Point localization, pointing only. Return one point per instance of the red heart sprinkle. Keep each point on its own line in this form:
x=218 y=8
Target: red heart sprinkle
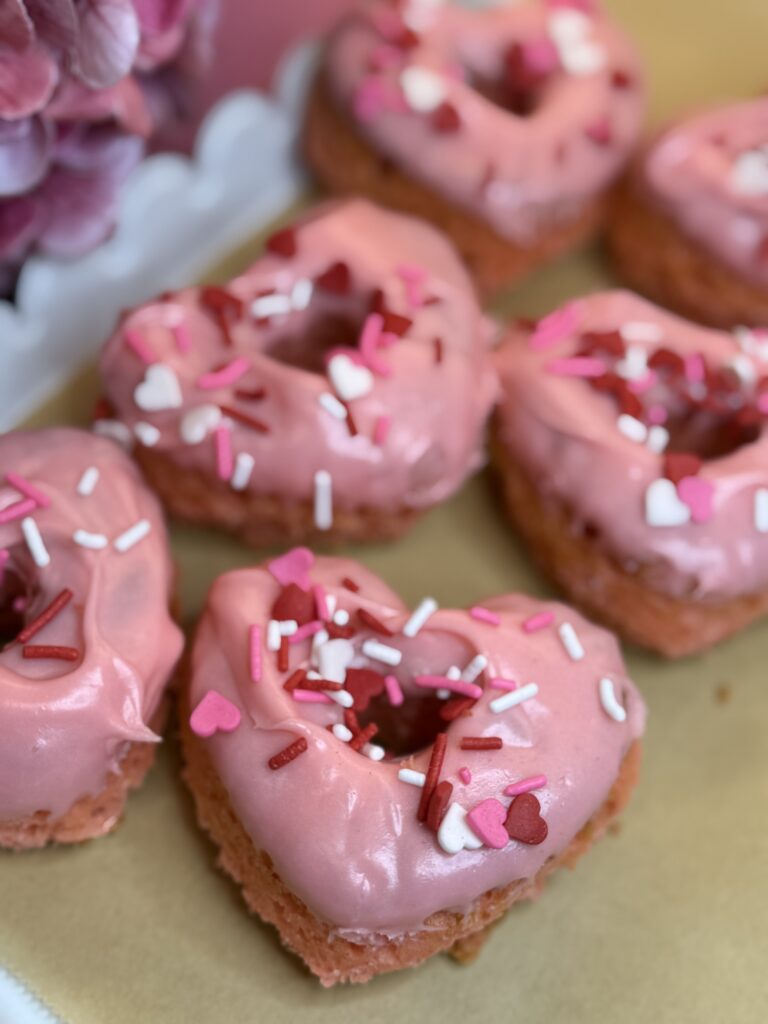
x=364 y=684
x=283 y=243
x=524 y=821
x=336 y=279
x=445 y=119
x=219 y=300
x=678 y=465
x=666 y=359
x=394 y=323
x=294 y=603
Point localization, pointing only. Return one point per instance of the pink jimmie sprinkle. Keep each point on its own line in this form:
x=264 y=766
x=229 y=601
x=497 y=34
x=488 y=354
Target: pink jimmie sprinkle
x=17 y=510
x=657 y=415
x=695 y=370
x=394 y=691
x=224 y=460
x=381 y=429
x=370 y=340
x=304 y=632
x=503 y=684
x=254 y=652
x=485 y=615
x=454 y=685
x=413 y=277
x=577 y=366
x=223 y=378
x=539 y=621
x=526 y=785
x=643 y=384
x=136 y=342
x=321 y=602
x=28 y=490
x=556 y=327
x=182 y=338
x=311 y=697
x=465 y=775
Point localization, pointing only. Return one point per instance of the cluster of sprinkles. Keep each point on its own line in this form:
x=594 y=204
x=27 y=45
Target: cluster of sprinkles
x=652 y=386
x=219 y=404
x=334 y=672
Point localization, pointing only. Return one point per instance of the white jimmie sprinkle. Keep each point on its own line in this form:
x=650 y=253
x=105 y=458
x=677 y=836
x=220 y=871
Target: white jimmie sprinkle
x=632 y=428
x=94 y=541
x=412 y=777
x=382 y=652
x=425 y=610
x=323 y=500
x=332 y=405
x=341 y=732
x=474 y=668
x=570 y=641
x=274 y=636
x=609 y=702
x=513 y=697
x=761 y=510
x=241 y=474
x=35 y=543
x=87 y=482
x=132 y=536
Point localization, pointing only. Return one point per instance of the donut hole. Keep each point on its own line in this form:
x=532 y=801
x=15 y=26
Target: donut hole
x=322 y=330
x=709 y=435
x=406 y=729
x=13 y=604
x=516 y=87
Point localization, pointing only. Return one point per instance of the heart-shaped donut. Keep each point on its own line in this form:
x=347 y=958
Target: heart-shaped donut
x=338 y=387
x=634 y=451
x=394 y=780
x=87 y=641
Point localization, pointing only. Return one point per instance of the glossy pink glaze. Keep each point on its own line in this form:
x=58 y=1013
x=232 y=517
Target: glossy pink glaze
x=65 y=725
x=692 y=173
x=340 y=828
x=433 y=411
x=522 y=174
x=566 y=437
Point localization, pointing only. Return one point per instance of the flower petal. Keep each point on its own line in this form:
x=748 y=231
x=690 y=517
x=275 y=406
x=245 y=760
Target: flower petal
x=55 y=21
x=27 y=81
x=125 y=103
x=16 y=28
x=107 y=41
x=158 y=16
x=19 y=222
x=25 y=148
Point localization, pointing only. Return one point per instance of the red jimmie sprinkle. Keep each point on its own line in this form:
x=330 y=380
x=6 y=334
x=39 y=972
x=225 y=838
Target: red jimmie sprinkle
x=45 y=616
x=358 y=742
x=350 y=584
x=350 y=720
x=455 y=707
x=481 y=743
x=283 y=243
x=433 y=774
x=438 y=343
x=336 y=279
x=250 y=395
x=291 y=752
x=50 y=651
x=373 y=623
x=438 y=804
x=245 y=418
x=446 y=119
x=320 y=684
x=351 y=424
x=282 y=655
x=295 y=679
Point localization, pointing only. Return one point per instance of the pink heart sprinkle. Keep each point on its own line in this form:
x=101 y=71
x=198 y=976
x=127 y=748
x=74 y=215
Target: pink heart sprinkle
x=293 y=567
x=213 y=714
x=486 y=820
x=697 y=493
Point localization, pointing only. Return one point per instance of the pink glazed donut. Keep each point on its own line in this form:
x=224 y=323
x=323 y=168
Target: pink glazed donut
x=337 y=389
x=690 y=228
x=383 y=783
x=633 y=447
x=504 y=126
x=85 y=581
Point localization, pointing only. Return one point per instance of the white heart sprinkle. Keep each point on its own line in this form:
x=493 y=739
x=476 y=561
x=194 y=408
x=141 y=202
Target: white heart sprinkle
x=159 y=390
x=349 y=379
x=749 y=175
x=333 y=659
x=198 y=423
x=424 y=89
x=663 y=507
x=455 y=834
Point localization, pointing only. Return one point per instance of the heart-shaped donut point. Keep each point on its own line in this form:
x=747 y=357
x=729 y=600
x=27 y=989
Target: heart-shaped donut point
x=213 y=714
x=524 y=822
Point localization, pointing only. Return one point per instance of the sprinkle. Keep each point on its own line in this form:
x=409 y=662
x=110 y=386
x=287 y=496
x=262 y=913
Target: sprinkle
x=570 y=641
x=456 y=707
x=94 y=541
x=526 y=785
x=265 y=306
x=323 y=500
x=394 y=691
x=341 y=617
x=305 y=632
x=132 y=536
x=418 y=619
x=513 y=698
x=658 y=439
x=137 y=343
x=465 y=775
x=381 y=430
x=225 y=377
x=438 y=804
x=146 y=433
x=273 y=636
x=412 y=777
x=555 y=327
x=641 y=331
x=114 y=430
x=609 y=702
x=371 y=338
x=632 y=428
x=50 y=651
x=447 y=683
x=35 y=543
x=310 y=696
x=433 y=774
x=214 y=713
x=413 y=278
x=350 y=585
x=485 y=615
x=17 y=510
x=481 y=743
x=382 y=652
x=332 y=405
x=695 y=370
x=503 y=684
x=283 y=660
x=292 y=567
x=334 y=658
x=474 y=668
x=290 y=753
x=295 y=680
x=424 y=89
x=28 y=490
x=362 y=737
x=243 y=470
x=88 y=482
x=321 y=603
x=341 y=732
x=245 y=418
x=309 y=682
x=254 y=652
x=182 y=337
x=577 y=366
x=761 y=510
x=538 y=621
x=370 y=620
x=224 y=458
x=287 y=627
x=438 y=347
x=46 y=615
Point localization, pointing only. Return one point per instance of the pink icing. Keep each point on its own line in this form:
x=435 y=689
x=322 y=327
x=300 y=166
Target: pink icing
x=520 y=173
x=342 y=829
x=566 y=436
x=692 y=173
x=66 y=725
x=419 y=427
